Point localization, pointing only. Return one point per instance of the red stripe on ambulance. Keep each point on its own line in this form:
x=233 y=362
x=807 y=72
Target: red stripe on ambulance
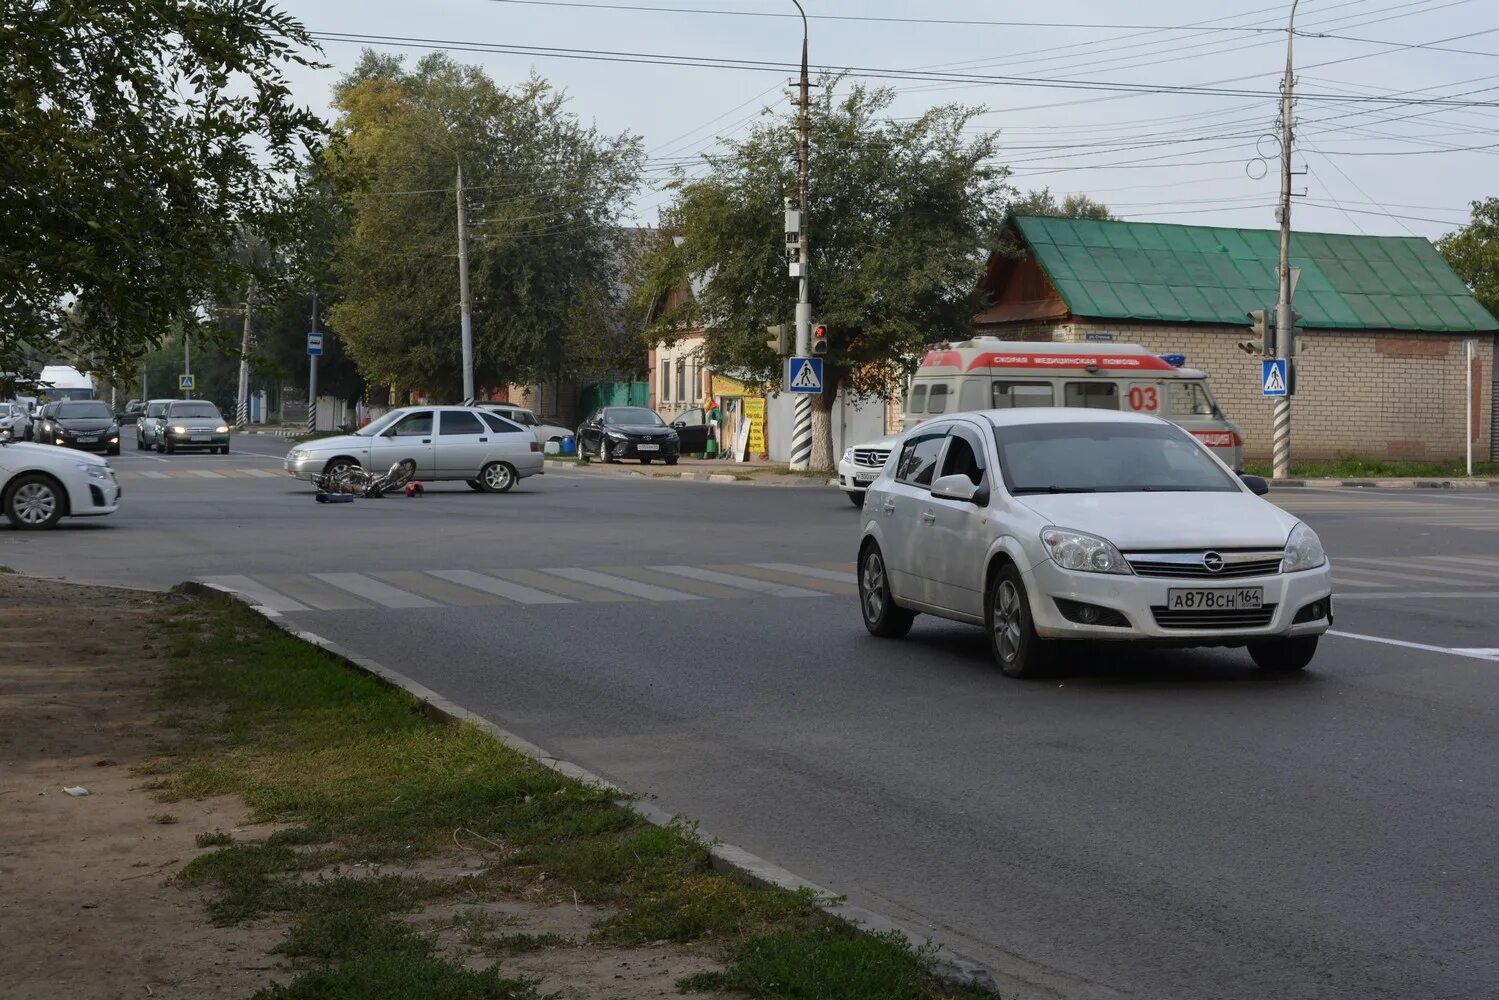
x=1127 y=362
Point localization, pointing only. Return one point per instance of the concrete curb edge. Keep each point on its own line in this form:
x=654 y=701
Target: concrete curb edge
x=1386 y=484
x=952 y=969
x=702 y=477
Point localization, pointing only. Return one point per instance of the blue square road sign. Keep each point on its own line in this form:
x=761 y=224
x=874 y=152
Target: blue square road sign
x=1273 y=376
x=804 y=375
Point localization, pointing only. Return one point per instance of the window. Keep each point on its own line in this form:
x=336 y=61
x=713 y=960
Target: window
x=1014 y=395
x=1092 y=395
x=1188 y=399
x=414 y=425
x=681 y=381
x=500 y=425
x=459 y=422
x=962 y=459
x=665 y=388
x=936 y=398
x=917 y=401
x=918 y=459
x=89 y=410
x=970 y=395
x=1107 y=458
x=178 y=410
x=523 y=417
x=692 y=418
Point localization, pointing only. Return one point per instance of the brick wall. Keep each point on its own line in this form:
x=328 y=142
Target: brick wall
x=1371 y=395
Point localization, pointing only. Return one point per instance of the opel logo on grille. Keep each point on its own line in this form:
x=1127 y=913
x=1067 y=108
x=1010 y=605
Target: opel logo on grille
x=1213 y=562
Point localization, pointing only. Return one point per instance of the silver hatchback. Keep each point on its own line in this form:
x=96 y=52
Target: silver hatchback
x=463 y=443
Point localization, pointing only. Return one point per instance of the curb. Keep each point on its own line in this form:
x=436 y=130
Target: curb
x=277 y=433
x=703 y=477
x=1386 y=484
x=953 y=970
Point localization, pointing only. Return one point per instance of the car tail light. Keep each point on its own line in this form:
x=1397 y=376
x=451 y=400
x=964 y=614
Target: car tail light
x=535 y=446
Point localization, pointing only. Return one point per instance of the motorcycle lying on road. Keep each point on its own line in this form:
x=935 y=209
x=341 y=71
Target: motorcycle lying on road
x=343 y=485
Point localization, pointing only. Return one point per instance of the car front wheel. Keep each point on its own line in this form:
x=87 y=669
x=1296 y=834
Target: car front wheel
x=34 y=501
x=882 y=616
x=497 y=477
x=1284 y=654
x=1018 y=650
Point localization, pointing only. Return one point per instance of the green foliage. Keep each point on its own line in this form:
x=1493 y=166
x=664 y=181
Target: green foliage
x=1073 y=206
x=543 y=193
x=901 y=214
x=142 y=140
x=401 y=977
x=1473 y=252
x=215 y=838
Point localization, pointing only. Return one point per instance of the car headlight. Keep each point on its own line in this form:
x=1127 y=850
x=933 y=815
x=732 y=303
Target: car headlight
x=1085 y=553
x=297 y=454
x=94 y=471
x=848 y=455
x=1303 y=550
x=179 y=430
x=617 y=435
x=221 y=429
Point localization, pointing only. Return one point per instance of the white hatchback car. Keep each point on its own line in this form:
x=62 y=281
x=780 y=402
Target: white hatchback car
x=1047 y=524
x=40 y=484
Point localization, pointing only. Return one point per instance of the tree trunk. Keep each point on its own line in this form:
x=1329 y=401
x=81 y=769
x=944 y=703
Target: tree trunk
x=823 y=459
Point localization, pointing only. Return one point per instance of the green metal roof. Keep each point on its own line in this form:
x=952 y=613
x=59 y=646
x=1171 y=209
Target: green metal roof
x=1205 y=274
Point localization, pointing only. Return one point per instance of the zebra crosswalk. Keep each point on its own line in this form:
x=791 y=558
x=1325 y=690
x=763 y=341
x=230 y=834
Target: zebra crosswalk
x=1459 y=513
x=1366 y=578
x=513 y=587
x=159 y=474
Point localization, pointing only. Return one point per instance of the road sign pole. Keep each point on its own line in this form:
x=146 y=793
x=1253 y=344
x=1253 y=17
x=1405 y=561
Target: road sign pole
x=801 y=426
x=1281 y=424
x=242 y=403
x=312 y=377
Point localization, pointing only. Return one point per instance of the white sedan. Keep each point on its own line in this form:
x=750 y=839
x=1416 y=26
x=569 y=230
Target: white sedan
x=1044 y=525
x=861 y=465
x=40 y=485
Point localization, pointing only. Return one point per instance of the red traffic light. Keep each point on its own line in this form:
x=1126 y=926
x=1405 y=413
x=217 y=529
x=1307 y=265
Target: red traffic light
x=819 y=339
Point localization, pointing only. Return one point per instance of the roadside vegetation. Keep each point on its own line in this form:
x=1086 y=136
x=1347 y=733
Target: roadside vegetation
x=369 y=798
x=1374 y=468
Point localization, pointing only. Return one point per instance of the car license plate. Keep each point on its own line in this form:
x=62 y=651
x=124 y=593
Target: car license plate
x=1240 y=599
x=647 y=447
x=862 y=483
x=87 y=438
x=202 y=437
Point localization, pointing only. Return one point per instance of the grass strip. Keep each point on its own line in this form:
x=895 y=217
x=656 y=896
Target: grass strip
x=1374 y=468
x=367 y=786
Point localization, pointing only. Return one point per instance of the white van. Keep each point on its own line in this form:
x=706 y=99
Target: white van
x=989 y=374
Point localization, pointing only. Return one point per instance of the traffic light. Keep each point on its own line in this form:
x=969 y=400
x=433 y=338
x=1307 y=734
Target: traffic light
x=780 y=339
x=1264 y=339
x=819 y=340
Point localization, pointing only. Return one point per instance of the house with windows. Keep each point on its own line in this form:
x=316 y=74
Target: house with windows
x=1389 y=343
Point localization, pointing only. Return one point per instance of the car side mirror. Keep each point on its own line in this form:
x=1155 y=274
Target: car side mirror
x=959 y=488
x=1256 y=484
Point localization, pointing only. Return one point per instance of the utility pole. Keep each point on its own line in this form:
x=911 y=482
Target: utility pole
x=1285 y=334
x=312 y=377
x=187 y=367
x=242 y=402
x=465 y=305
x=801 y=429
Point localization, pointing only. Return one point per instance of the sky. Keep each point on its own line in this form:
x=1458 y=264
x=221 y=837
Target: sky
x=1086 y=94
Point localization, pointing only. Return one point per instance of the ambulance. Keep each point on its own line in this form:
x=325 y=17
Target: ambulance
x=989 y=374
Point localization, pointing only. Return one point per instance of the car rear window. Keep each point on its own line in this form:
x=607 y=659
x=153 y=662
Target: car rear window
x=500 y=425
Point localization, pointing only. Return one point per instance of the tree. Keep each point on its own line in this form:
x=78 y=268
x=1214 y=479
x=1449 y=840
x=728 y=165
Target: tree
x=1473 y=252
x=141 y=138
x=901 y=215
x=543 y=193
x=1073 y=206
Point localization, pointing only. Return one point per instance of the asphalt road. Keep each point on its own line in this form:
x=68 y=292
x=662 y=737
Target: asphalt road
x=1156 y=825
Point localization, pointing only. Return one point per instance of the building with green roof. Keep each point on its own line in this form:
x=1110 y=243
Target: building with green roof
x=1381 y=363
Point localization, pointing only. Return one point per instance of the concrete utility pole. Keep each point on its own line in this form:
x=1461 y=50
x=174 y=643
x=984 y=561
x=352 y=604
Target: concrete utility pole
x=242 y=404
x=312 y=377
x=1285 y=334
x=465 y=305
x=801 y=428
x=187 y=368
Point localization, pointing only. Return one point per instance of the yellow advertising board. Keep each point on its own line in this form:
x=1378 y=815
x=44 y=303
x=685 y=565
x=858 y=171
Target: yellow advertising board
x=754 y=412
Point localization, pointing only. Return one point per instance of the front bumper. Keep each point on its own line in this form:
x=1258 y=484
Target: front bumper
x=304 y=468
x=91 y=497
x=198 y=439
x=102 y=443
x=1136 y=597
x=855 y=478
x=632 y=449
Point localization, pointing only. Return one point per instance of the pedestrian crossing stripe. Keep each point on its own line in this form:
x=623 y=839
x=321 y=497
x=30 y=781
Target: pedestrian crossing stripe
x=202 y=474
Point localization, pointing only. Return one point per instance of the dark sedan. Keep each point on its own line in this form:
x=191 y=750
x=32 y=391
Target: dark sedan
x=86 y=423
x=616 y=432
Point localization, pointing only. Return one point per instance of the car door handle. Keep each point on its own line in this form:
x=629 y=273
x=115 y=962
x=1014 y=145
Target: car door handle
x=483 y=440
x=928 y=517
x=889 y=507
x=426 y=440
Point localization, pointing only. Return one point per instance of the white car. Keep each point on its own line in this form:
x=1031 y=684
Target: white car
x=464 y=443
x=40 y=485
x=861 y=465
x=544 y=432
x=1059 y=524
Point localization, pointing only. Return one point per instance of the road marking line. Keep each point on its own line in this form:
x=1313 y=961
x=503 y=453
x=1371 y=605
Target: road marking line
x=1342 y=581
x=634 y=588
x=1482 y=651
x=1388 y=574
x=742 y=582
x=381 y=593
x=791 y=578
x=700 y=587
x=1484 y=574
x=1446 y=595
x=1468 y=561
x=255 y=592
x=441 y=591
x=152 y=475
x=812 y=571
x=261 y=473
x=500 y=588
x=205 y=473
x=316 y=594
x=1451 y=651
x=546 y=583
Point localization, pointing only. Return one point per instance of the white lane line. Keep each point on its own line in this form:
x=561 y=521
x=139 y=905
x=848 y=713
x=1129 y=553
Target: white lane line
x=812 y=571
x=1424 y=647
x=635 y=588
x=1433 y=595
x=1487 y=561
x=1339 y=580
x=206 y=474
x=259 y=473
x=153 y=475
x=373 y=590
x=1398 y=574
x=500 y=588
x=1491 y=574
x=257 y=593
x=742 y=582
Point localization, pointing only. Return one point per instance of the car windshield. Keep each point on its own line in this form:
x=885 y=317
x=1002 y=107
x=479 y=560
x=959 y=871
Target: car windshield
x=84 y=411
x=635 y=416
x=1106 y=458
x=374 y=427
x=207 y=410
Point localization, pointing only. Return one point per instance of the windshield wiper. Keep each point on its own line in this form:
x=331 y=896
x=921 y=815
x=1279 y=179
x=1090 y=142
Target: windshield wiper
x=1022 y=490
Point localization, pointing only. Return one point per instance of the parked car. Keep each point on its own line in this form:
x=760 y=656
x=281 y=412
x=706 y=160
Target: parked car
x=616 y=432
x=86 y=424
x=40 y=485
x=41 y=422
x=519 y=414
x=860 y=466
x=148 y=424
x=692 y=431
x=1049 y=524
x=463 y=443
x=133 y=409
x=192 y=423
x=16 y=418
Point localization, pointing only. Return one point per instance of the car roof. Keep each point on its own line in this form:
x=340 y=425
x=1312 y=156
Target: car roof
x=1053 y=415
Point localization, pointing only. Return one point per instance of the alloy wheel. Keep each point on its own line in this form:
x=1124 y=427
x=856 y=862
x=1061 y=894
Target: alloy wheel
x=497 y=477
x=1007 y=622
x=873 y=586
x=35 y=503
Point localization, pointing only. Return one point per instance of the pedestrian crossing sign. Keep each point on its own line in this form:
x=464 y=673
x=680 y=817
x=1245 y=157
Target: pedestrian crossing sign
x=1273 y=376
x=186 y=382
x=804 y=375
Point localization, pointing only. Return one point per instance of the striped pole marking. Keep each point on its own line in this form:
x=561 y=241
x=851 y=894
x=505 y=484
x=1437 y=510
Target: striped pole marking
x=801 y=434
x=1281 y=441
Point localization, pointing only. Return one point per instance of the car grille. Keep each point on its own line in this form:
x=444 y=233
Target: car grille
x=1191 y=565
x=871 y=458
x=1214 y=617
